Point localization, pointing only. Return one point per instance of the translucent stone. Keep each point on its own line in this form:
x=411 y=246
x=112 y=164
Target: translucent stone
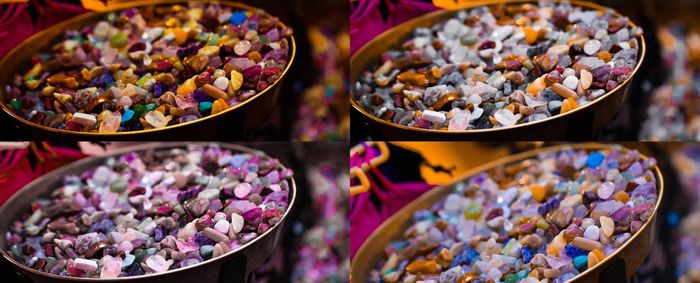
x=156 y=119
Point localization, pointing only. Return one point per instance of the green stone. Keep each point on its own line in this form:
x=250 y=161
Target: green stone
x=119 y=40
x=511 y=278
x=178 y=66
x=264 y=40
x=140 y=254
x=214 y=39
x=16 y=251
x=118 y=186
x=150 y=107
x=16 y=104
x=473 y=210
x=143 y=79
x=205 y=107
x=139 y=109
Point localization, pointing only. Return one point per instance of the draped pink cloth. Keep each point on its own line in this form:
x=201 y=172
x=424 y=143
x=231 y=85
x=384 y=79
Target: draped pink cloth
x=366 y=21
x=365 y=215
x=16 y=23
x=16 y=170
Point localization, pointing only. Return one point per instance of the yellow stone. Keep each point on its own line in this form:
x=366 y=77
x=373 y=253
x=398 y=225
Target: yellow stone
x=186 y=88
x=35 y=71
x=236 y=80
x=209 y=50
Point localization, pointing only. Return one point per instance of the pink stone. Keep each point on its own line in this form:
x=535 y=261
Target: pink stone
x=112 y=267
x=85 y=264
x=459 y=121
x=242 y=190
x=273 y=177
x=125 y=246
x=157 y=263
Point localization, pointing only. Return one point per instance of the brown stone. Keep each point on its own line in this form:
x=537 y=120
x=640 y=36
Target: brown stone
x=96 y=250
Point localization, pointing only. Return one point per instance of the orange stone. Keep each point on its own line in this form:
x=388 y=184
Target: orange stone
x=423 y=267
x=412 y=79
x=468 y=277
x=621 y=196
x=556 y=245
x=605 y=56
x=538 y=192
x=510 y=107
x=537 y=86
x=530 y=35
x=568 y=105
x=600 y=255
x=218 y=106
x=444 y=258
x=63 y=81
x=180 y=36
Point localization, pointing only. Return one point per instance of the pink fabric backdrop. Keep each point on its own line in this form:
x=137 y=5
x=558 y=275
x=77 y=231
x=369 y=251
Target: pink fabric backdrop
x=365 y=216
x=16 y=23
x=366 y=21
x=20 y=172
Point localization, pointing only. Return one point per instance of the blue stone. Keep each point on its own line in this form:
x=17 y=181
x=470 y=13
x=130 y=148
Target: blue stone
x=581 y=262
x=238 y=160
x=126 y=117
x=673 y=218
x=574 y=252
x=594 y=159
x=128 y=260
x=527 y=254
x=238 y=17
x=206 y=251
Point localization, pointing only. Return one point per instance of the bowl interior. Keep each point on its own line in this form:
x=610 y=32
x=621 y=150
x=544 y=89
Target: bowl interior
x=369 y=55
x=19 y=58
x=19 y=203
x=372 y=250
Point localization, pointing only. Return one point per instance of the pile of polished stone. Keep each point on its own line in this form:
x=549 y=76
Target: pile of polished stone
x=152 y=212
x=151 y=67
x=673 y=111
x=550 y=217
x=687 y=164
x=499 y=66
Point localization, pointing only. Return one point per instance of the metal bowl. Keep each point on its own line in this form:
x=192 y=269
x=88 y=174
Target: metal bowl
x=233 y=123
x=234 y=266
x=619 y=266
x=579 y=124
